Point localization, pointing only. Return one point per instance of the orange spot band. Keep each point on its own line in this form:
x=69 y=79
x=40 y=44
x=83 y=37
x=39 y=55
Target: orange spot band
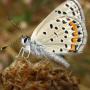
x=74 y=40
x=73 y=48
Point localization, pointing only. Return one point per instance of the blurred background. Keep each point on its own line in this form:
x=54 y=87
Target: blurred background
x=20 y=17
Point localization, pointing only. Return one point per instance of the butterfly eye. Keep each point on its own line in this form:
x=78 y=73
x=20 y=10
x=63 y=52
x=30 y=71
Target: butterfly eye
x=25 y=40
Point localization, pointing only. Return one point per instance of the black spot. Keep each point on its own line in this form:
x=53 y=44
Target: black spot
x=55 y=33
x=79 y=33
x=66 y=45
x=71 y=8
x=75 y=6
x=53 y=50
x=62 y=56
x=76 y=46
x=68 y=19
x=72 y=39
x=25 y=40
x=61 y=49
x=78 y=26
x=77 y=12
x=72 y=28
x=74 y=21
x=44 y=33
x=69 y=24
x=65 y=36
x=79 y=40
x=51 y=26
x=56 y=28
x=51 y=39
x=66 y=32
x=61 y=40
x=59 y=12
x=55 y=10
x=63 y=21
x=72 y=34
x=64 y=13
x=58 y=20
x=67 y=5
x=73 y=13
x=63 y=28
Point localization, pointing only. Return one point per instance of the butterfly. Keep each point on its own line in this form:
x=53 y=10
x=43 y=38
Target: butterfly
x=62 y=32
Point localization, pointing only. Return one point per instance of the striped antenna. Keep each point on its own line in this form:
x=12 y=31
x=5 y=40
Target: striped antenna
x=14 y=39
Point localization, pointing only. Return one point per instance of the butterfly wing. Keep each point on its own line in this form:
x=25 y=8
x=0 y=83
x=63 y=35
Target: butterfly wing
x=70 y=8
x=50 y=31
x=61 y=35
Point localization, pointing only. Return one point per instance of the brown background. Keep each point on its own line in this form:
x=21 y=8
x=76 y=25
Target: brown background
x=19 y=17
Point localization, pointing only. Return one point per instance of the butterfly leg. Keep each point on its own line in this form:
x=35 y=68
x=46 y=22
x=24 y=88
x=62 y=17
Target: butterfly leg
x=28 y=55
x=22 y=52
x=27 y=50
x=19 y=52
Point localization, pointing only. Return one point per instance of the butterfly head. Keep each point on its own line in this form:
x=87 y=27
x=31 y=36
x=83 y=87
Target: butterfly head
x=25 y=40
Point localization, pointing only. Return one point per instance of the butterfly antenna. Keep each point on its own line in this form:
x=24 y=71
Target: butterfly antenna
x=14 y=24
x=13 y=40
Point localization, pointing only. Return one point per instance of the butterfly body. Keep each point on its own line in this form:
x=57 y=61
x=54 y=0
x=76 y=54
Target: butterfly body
x=61 y=32
x=38 y=49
